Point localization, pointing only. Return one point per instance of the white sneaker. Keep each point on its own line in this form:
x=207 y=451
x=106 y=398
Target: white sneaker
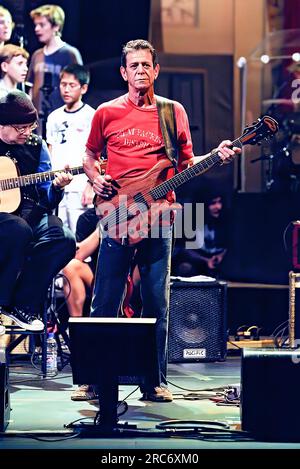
x=25 y=319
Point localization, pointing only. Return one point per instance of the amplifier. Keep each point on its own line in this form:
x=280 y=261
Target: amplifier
x=197 y=326
x=270 y=405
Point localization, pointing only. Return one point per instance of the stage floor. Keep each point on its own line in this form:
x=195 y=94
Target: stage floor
x=41 y=408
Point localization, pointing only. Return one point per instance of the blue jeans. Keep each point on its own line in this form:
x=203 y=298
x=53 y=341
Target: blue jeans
x=153 y=258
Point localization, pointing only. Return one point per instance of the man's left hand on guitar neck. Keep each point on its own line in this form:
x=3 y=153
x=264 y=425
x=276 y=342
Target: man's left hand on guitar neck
x=226 y=153
x=62 y=179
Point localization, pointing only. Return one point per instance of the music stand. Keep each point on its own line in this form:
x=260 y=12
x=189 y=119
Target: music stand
x=109 y=351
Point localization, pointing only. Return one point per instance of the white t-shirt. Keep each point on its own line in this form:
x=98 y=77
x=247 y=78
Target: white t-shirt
x=3 y=89
x=67 y=132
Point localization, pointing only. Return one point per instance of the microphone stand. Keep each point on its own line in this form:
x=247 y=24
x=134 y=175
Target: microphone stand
x=46 y=89
x=20 y=39
x=269 y=172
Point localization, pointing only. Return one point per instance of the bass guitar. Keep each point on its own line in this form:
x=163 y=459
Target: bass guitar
x=139 y=204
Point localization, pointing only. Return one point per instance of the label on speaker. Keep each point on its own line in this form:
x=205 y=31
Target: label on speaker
x=194 y=353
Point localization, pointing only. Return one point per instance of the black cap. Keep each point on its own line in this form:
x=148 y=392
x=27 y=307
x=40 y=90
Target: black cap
x=17 y=108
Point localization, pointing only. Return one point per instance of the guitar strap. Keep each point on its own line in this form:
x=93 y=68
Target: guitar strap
x=167 y=120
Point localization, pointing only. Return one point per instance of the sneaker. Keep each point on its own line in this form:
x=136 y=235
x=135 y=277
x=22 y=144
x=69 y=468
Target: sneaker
x=25 y=319
x=85 y=392
x=159 y=394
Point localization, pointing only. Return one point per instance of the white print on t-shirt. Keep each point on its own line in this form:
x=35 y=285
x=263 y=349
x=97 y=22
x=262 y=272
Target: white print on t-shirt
x=67 y=133
x=140 y=133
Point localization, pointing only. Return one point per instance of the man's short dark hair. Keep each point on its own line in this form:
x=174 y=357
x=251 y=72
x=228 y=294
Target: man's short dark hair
x=80 y=72
x=138 y=44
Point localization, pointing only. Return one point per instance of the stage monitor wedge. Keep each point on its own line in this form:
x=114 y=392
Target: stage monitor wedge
x=120 y=346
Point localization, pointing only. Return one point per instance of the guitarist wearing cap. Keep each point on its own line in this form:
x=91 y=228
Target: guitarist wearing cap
x=34 y=246
x=129 y=127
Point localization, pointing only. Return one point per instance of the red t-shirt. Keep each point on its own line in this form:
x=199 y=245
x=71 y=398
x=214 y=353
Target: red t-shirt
x=133 y=137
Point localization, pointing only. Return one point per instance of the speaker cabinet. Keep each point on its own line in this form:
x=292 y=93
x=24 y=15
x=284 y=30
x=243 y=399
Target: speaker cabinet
x=197 y=327
x=4 y=392
x=270 y=404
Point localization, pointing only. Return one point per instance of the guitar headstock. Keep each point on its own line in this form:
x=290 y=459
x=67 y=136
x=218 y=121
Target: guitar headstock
x=262 y=129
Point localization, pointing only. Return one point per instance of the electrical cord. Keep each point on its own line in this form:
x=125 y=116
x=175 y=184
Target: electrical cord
x=191 y=425
x=194 y=390
x=277 y=340
x=97 y=418
x=71 y=424
x=221 y=395
x=235 y=345
x=33 y=436
x=284 y=237
x=204 y=429
x=279 y=325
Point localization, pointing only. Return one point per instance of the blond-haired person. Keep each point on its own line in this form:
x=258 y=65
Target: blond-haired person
x=48 y=61
x=13 y=67
x=6 y=25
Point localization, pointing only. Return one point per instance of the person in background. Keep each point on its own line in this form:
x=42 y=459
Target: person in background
x=6 y=25
x=47 y=62
x=34 y=244
x=13 y=66
x=79 y=279
x=79 y=276
x=207 y=257
x=67 y=131
x=80 y=271
x=129 y=127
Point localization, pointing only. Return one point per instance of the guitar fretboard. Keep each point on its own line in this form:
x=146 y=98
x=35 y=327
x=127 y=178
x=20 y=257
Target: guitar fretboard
x=31 y=179
x=186 y=175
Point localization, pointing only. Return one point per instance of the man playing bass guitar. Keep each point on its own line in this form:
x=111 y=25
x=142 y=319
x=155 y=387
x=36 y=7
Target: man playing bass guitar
x=129 y=127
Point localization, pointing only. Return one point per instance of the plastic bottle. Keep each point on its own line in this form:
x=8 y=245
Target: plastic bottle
x=51 y=355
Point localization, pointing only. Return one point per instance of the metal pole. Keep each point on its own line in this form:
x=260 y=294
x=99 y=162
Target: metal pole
x=243 y=66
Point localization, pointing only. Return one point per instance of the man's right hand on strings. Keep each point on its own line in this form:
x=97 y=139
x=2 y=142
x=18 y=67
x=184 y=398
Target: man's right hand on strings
x=102 y=186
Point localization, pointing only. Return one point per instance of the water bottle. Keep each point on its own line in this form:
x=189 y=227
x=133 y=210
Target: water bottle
x=51 y=355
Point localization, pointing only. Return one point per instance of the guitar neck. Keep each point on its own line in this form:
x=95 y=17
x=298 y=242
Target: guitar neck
x=31 y=179
x=186 y=175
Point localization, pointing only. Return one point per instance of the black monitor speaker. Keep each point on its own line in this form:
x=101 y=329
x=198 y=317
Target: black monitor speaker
x=109 y=351
x=270 y=405
x=197 y=328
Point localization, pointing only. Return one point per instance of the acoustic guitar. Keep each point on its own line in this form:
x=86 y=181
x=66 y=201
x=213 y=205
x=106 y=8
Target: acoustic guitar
x=11 y=182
